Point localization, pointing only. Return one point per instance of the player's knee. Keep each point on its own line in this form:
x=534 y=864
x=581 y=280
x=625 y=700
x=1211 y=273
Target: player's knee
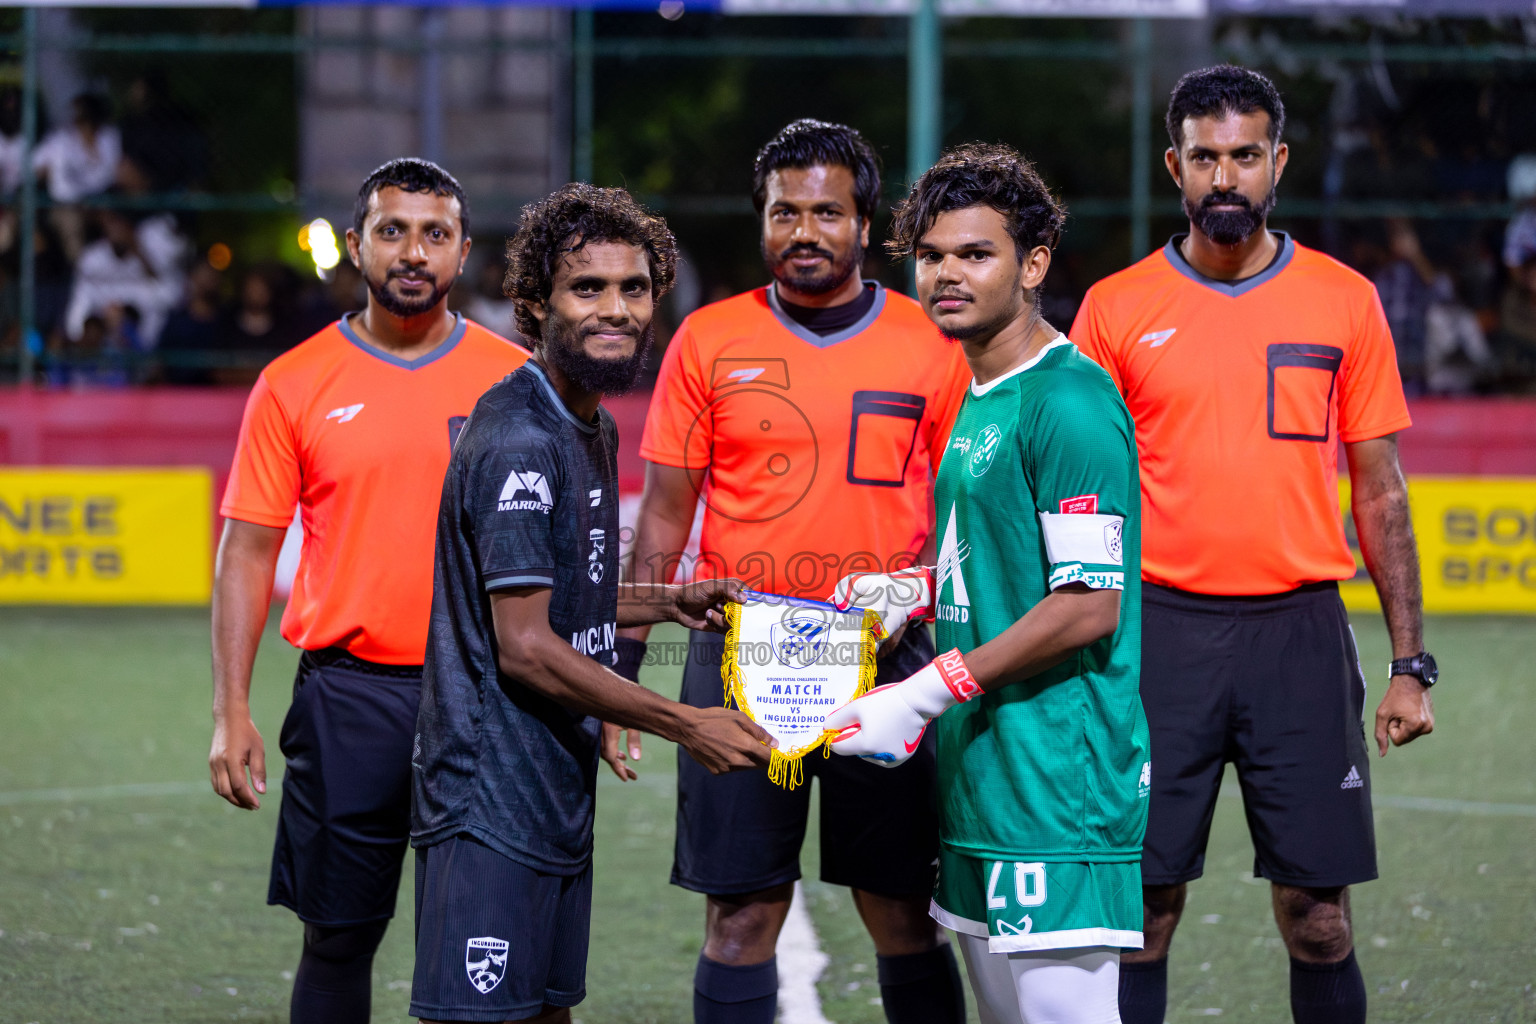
x=1315 y=923
x=344 y=945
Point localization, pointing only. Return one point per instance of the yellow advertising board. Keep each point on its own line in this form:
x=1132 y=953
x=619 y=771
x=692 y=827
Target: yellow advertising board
x=105 y=536
x=1477 y=545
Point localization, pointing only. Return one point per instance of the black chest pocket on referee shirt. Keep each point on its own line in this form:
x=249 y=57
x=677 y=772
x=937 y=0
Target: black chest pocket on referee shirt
x=1301 y=379
x=882 y=436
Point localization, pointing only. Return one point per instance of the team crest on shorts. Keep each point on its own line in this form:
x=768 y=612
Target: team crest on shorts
x=485 y=961
x=798 y=640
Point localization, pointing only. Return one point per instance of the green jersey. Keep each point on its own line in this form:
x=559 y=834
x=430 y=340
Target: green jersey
x=1038 y=489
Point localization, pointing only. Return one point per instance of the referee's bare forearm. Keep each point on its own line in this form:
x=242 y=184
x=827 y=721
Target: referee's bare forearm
x=1379 y=502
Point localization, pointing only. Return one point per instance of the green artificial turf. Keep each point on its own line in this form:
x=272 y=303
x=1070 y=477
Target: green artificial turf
x=129 y=892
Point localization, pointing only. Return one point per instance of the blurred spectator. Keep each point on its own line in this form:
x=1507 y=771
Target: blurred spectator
x=11 y=142
x=161 y=143
x=344 y=293
x=100 y=357
x=77 y=162
x=1520 y=235
x=1517 y=327
x=487 y=306
x=1456 y=354
x=191 y=331
x=134 y=264
x=1406 y=285
x=260 y=320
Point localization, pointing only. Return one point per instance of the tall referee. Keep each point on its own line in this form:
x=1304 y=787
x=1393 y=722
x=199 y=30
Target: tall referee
x=354 y=426
x=1245 y=360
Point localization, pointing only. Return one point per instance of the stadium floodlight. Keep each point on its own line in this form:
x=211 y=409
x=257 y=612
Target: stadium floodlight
x=322 y=245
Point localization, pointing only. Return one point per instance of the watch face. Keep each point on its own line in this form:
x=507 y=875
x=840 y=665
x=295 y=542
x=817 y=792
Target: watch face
x=1428 y=670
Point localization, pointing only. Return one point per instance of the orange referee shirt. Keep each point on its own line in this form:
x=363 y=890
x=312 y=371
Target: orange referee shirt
x=1241 y=392
x=358 y=440
x=820 y=450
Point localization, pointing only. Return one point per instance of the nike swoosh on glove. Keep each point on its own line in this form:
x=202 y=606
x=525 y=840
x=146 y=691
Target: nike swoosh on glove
x=893 y=596
x=886 y=725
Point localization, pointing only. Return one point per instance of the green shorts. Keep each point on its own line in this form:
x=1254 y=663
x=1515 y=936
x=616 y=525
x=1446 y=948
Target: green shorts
x=1022 y=907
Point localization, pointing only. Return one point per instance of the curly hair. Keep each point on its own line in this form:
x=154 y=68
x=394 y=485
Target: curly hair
x=1219 y=91
x=565 y=221
x=811 y=143
x=980 y=174
x=410 y=174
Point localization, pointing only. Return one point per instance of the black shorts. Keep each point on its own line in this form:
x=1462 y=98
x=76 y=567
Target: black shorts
x=345 y=817
x=1273 y=685
x=740 y=833
x=495 y=939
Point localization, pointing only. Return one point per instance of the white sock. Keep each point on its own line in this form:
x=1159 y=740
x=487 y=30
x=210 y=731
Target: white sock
x=1053 y=986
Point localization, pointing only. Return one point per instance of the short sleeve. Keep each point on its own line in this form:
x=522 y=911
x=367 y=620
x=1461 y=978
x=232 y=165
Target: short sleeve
x=1371 y=402
x=678 y=429
x=508 y=493
x=1091 y=335
x=950 y=398
x=265 y=479
x=1082 y=460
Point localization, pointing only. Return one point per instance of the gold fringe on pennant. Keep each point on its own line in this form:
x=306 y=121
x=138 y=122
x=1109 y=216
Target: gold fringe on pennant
x=784 y=767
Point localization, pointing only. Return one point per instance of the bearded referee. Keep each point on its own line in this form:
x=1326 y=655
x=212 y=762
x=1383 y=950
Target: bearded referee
x=354 y=427
x=1246 y=359
x=811 y=415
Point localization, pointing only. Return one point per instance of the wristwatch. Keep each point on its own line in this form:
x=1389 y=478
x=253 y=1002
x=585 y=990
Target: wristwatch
x=1422 y=666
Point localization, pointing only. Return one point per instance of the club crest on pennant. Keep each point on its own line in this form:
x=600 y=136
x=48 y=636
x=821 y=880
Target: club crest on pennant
x=485 y=961
x=788 y=664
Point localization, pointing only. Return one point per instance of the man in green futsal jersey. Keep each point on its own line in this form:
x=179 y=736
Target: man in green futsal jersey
x=1043 y=766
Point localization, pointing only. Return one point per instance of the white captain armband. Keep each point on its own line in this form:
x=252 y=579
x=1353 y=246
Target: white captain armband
x=1082 y=546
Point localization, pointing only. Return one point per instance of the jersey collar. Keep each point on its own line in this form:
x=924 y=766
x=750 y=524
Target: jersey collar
x=554 y=396
x=1231 y=289
x=981 y=389
x=443 y=347
x=858 y=327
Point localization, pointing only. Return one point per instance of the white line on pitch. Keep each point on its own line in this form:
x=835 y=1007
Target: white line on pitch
x=65 y=796
x=801 y=962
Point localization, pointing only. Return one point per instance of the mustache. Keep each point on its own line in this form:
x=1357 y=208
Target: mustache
x=1225 y=199
x=951 y=294
x=805 y=249
x=632 y=331
x=420 y=271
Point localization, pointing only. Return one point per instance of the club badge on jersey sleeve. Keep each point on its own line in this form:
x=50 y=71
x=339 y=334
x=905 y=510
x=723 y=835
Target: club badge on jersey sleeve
x=788 y=664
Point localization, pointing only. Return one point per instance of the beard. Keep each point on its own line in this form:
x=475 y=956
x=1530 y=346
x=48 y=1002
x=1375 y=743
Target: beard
x=405 y=307
x=1229 y=227
x=835 y=276
x=565 y=347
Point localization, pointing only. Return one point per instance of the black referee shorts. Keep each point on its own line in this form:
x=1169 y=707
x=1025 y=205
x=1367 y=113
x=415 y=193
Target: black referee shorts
x=345 y=817
x=740 y=833
x=1273 y=685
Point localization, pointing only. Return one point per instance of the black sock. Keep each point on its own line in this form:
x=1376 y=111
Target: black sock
x=1144 y=992
x=922 y=988
x=334 y=982
x=1327 y=993
x=728 y=994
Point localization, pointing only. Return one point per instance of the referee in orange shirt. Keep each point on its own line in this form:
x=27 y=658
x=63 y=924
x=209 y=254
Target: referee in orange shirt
x=354 y=427
x=1246 y=359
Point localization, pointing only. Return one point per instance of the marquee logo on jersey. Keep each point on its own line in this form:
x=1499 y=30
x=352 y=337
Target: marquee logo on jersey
x=1144 y=784
x=595 y=556
x=530 y=484
x=985 y=448
x=952 y=553
x=1112 y=537
x=485 y=961
x=799 y=639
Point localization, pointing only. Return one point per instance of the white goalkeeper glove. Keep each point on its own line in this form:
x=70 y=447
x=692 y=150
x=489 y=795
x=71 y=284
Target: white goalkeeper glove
x=894 y=597
x=886 y=725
